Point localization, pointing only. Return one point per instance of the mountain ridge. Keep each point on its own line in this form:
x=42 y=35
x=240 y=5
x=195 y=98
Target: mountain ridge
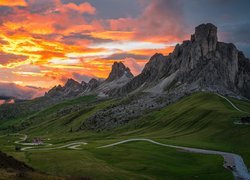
x=199 y=64
x=118 y=76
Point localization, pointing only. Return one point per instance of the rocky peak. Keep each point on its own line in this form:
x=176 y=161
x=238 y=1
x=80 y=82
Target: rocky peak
x=56 y=88
x=119 y=70
x=206 y=36
x=55 y=91
x=71 y=83
x=71 y=88
x=83 y=83
x=205 y=32
x=93 y=83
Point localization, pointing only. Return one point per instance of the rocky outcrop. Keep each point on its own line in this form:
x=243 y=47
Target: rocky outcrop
x=91 y=86
x=118 y=77
x=119 y=70
x=206 y=37
x=199 y=64
x=70 y=89
x=73 y=88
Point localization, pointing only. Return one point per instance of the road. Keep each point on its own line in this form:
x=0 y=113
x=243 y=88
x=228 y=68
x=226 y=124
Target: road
x=235 y=161
x=44 y=146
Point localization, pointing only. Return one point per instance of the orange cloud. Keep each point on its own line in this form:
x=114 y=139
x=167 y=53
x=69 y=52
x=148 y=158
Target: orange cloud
x=113 y=35
x=13 y=3
x=151 y=52
x=56 y=18
x=40 y=51
x=42 y=45
x=82 y=8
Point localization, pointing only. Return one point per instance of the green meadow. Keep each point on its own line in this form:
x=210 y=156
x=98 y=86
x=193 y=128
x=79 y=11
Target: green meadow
x=201 y=120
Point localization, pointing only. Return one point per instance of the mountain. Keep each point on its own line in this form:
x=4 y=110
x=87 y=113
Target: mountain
x=91 y=85
x=118 y=77
x=199 y=64
x=119 y=70
x=70 y=89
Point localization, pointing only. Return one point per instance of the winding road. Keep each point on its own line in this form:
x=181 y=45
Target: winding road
x=44 y=146
x=232 y=161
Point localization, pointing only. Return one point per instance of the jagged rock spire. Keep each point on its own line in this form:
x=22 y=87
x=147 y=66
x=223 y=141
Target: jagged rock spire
x=206 y=36
x=119 y=70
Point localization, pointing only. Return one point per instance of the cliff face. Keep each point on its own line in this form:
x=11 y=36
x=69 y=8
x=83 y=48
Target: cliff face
x=199 y=64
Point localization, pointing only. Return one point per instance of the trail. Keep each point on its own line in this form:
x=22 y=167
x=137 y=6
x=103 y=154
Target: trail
x=232 y=161
x=230 y=102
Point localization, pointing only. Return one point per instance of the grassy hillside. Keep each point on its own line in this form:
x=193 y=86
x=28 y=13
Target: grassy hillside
x=201 y=120
x=56 y=118
x=10 y=168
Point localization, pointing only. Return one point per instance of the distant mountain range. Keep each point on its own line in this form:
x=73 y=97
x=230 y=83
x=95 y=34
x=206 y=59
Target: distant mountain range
x=199 y=64
x=119 y=76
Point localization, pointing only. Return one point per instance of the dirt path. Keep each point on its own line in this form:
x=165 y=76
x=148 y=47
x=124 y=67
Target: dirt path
x=232 y=104
x=232 y=161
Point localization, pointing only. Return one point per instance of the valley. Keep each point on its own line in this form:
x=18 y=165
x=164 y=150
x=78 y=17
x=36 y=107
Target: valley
x=205 y=130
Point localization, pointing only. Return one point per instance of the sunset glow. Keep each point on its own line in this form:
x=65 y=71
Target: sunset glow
x=53 y=40
x=43 y=43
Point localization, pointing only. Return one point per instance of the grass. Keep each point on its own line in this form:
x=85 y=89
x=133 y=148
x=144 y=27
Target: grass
x=201 y=120
x=139 y=160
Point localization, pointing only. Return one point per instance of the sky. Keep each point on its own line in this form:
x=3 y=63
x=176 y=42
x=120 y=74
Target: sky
x=45 y=42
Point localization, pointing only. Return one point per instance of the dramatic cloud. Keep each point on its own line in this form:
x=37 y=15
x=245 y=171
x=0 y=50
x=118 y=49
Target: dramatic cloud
x=20 y=92
x=162 y=21
x=45 y=42
x=10 y=58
